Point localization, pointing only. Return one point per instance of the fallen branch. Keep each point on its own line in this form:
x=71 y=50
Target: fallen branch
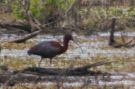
x=34 y=74
x=84 y=70
x=19 y=24
x=126 y=45
x=26 y=37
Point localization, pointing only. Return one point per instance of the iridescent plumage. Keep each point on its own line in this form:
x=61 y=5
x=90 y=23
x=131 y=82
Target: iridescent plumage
x=49 y=49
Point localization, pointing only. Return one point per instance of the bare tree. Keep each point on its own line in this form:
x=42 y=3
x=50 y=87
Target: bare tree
x=111 y=39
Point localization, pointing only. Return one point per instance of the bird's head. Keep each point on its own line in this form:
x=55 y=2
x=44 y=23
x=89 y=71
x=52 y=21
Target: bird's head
x=68 y=37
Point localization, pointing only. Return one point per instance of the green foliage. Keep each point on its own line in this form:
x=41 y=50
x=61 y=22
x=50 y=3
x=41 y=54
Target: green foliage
x=41 y=8
x=96 y=17
x=36 y=7
x=17 y=10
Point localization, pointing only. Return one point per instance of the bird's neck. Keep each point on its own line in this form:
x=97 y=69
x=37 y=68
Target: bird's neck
x=65 y=45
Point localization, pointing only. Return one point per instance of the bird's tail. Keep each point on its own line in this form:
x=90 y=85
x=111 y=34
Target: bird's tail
x=29 y=52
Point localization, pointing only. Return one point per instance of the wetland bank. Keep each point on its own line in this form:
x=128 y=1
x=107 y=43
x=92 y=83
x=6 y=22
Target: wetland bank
x=96 y=49
x=105 y=30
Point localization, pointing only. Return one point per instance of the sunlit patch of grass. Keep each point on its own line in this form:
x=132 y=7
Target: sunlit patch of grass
x=7 y=16
x=102 y=39
x=64 y=63
x=18 y=63
x=116 y=66
x=75 y=62
x=87 y=40
x=106 y=47
x=33 y=86
x=17 y=45
x=122 y=64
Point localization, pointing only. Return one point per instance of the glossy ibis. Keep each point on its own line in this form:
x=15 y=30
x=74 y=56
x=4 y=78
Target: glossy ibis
x=49 y=49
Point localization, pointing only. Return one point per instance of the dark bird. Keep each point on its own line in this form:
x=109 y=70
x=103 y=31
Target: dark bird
x=49 y=49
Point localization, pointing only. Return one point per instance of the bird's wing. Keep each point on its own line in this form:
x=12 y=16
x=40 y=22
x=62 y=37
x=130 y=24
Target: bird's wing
x=47 y=48
x=52 y=47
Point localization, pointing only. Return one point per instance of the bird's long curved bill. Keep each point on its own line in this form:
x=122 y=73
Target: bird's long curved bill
x=76 y=42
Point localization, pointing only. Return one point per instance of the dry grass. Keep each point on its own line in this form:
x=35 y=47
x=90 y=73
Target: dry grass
x=6 y=45
x=123 y=64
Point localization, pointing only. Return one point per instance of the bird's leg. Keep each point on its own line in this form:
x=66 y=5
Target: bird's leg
x=50 y=60
x=39 y=63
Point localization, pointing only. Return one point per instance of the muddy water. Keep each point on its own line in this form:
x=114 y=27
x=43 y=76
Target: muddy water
x=91 y=48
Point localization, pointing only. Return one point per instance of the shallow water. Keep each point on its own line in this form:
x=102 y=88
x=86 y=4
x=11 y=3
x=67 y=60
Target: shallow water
x=106 y=34
x=91 y=48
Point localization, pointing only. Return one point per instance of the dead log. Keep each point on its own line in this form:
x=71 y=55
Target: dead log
x=84 y=70
x=26 y=37
x=35 y=74
x=19 y=24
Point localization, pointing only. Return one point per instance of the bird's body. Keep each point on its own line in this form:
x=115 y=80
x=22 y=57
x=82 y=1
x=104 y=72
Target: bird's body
x=49 y=49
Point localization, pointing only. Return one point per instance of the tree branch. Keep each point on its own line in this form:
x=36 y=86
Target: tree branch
x=26 y=37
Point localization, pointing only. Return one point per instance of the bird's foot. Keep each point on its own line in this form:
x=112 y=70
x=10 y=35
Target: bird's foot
x=38 y=66
x=52 y=65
